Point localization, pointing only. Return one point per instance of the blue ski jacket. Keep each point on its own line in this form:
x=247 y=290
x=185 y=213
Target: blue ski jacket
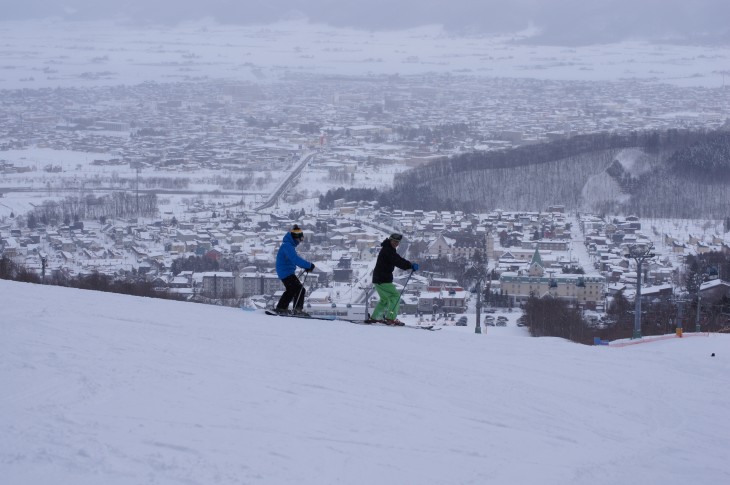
x=287 y=258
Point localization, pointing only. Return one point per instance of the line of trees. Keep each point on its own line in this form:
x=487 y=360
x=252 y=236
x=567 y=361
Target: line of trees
x=327 y=201
x=714 y=314
x=688 y=167
x=197 y=264
x=10 y=270
x=116 y=204
x=707 y=159
x=551 y=317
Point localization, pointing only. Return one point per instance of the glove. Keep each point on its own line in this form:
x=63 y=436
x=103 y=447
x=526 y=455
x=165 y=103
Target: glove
x=415 y=266
x=310 y=269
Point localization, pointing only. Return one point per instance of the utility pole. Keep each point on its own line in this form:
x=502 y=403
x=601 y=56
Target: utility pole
x=639 y=253
x=368 y=292
x=138 y=169
x=478 y=327
x=697 y=322
x=44 y=260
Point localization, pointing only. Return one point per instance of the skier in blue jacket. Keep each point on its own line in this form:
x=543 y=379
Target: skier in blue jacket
x=287 y=261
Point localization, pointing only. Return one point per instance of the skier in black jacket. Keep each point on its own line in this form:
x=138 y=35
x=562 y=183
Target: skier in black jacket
x=387 y=308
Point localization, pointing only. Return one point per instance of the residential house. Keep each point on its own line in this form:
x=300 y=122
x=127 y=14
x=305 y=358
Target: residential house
x=438 y=300
x=441 y=247
x=714 y=290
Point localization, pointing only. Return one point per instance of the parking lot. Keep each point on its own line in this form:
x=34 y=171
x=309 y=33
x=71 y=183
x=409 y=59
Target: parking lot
x=498 y=320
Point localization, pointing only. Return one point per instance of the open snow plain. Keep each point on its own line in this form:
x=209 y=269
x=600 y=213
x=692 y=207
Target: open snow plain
x=104 y=388
x=52 y=53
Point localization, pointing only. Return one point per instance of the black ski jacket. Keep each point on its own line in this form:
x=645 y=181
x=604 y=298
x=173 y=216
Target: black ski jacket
x=388 y=259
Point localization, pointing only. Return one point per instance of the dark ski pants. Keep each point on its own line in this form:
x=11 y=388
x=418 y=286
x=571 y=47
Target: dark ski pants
x=294 y=291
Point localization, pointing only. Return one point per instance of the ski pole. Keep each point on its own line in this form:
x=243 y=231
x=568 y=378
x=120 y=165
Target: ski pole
x=299 y=296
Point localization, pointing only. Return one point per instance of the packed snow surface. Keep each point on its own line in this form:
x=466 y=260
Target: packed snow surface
x=112 y=389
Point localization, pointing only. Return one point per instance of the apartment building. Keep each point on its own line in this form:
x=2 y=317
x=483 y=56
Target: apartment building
x=583 y=290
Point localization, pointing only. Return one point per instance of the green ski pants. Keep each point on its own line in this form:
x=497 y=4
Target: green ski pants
x=389 y=303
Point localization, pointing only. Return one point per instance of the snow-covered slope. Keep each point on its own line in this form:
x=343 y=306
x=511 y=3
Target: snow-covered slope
x=101 y=388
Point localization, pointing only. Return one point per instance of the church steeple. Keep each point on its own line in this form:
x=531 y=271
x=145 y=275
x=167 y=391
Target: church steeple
x=536 y=259
x=536 y=267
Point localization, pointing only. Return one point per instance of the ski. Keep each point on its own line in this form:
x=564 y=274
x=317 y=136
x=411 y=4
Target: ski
x=357 y=322
x=306 y=317
x=407 y=325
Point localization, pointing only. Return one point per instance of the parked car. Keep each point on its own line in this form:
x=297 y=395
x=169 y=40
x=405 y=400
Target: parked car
x=462 y=321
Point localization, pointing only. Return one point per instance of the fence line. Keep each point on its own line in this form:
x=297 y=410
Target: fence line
x=655 y=339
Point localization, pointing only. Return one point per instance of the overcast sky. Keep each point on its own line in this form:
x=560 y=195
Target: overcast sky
x=562 y=21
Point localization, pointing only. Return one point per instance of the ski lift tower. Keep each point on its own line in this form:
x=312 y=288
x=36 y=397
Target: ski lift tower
x=699 y=278
x=479 y=272
x=639 y=253
x=478 y=326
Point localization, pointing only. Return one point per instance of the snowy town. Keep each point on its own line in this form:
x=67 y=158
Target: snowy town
x=526 y=254
x=224 y=169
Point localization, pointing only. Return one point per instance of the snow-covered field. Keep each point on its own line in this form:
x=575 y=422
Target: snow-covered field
x=80 y=176
x=102 y=388
x=52 y=53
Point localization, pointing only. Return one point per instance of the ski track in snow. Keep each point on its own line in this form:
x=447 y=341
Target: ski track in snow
x=102 y=388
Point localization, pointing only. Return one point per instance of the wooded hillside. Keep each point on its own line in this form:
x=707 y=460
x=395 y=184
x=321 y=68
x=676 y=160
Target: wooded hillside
x=682 y=174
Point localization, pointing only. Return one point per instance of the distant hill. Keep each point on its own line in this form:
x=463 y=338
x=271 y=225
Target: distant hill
x=680 y=174
x=558 y=22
